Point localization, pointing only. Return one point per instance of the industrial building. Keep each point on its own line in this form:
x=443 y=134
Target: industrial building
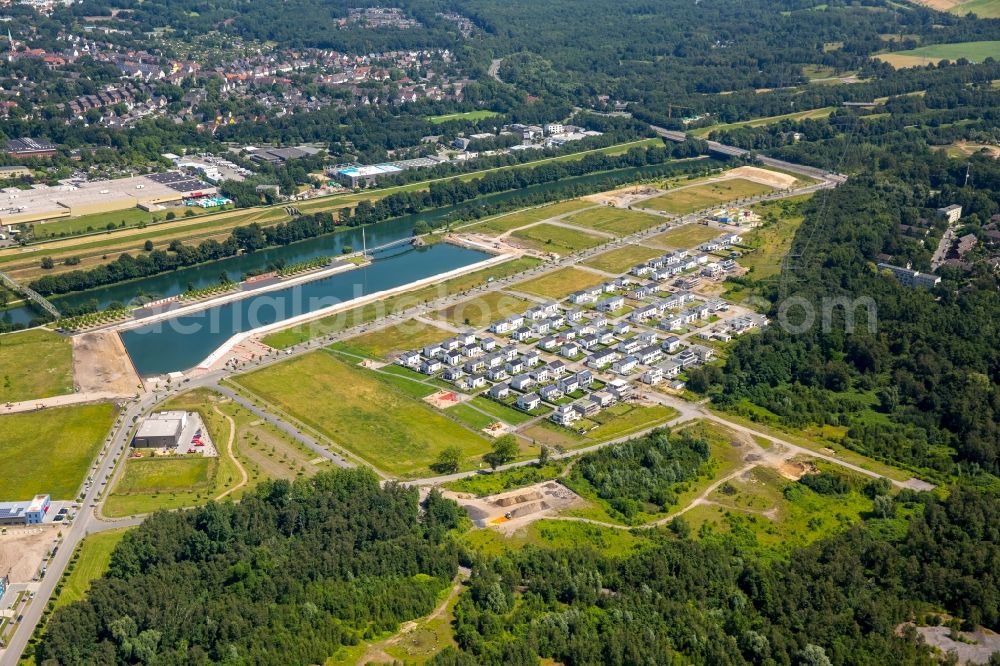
x=27 y=147
x=31 y=512
x=161 y=430
x=147 y=192
x=364 y=176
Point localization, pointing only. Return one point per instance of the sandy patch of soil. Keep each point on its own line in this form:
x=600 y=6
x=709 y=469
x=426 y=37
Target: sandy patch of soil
x=763 y=176
x=22 y=550
x=443 y=399
x=101 y=365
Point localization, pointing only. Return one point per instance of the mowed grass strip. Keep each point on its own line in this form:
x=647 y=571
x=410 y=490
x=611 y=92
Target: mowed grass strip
x=147 y=475
x=689 y=199
x=553 y=238
x=392 y=431
x=410 y=334
x=685 y=236
x=94 y=558
x=49 y=451
x=558 y=284
x=35 y=364
x=502 y=223
x=482 y=310
x=622 y=259
x=618 y=221
x=366 y=313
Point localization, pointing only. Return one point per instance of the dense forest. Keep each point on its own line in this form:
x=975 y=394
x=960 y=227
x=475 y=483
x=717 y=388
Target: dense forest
x=286 y=576
x=296 y=570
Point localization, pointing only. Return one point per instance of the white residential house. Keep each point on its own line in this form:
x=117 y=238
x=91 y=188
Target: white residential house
x=625 y=366
x=565 y=415
x=499 y=391
x=550 y=392
x=652 y=376
x=522 y=382
x=611 y=303
x=528 y=401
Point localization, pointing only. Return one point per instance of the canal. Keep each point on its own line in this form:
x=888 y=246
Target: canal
x=183 y=342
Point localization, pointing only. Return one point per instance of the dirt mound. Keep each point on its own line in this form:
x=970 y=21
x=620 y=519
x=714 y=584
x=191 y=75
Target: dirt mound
x=101 y=364
x=763 y=176
x=518 y=499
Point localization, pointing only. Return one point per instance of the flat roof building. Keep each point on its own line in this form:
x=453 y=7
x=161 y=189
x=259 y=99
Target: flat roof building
x=31 y=512
x=27 y=147
x=160 y=430
x=105 y=196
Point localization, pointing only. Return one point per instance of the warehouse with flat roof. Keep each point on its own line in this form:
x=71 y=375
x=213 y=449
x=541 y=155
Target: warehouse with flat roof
x=161 y=430
x=31 y=512
x=48 y=203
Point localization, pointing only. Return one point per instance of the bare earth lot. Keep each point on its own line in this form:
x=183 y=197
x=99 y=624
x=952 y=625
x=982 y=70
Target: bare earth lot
x=22 y=550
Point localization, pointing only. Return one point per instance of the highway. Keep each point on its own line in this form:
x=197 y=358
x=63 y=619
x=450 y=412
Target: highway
x=107 y=469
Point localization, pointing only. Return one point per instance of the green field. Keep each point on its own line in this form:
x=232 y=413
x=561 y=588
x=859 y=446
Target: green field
x=622 y=259
x=465 y=115
x=690 y=199
x=685 y=236
x=35 y=364
x=935 y=53
x=617 y=221
x=173 y=474
x=613 y=426
x=773 y=239
x=769 y=120
x=500 y=412
x=49 y=451
x=981 y=8
x=361 y=413
x=366 y=313
x=131 y=217
x=410 y=334
x=775 y=514
x=551 y=238
x=558 y=284
x=262 y=450
x=482 y=310
x=553 y=533
x=497 y=482
x=503 y=223
x=94 y=554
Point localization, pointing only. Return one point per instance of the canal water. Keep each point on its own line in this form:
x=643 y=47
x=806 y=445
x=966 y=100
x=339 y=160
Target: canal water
x=183 y=342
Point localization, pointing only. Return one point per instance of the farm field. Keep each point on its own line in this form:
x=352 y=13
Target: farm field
x=558 y=284
x=361 y=413
x=690 y=199
x=94 y=557
x=365 y=313
x=482 y=310
x=617 y=221
x=769 y=120
x=934 y=53
x=503 y=223
x=551 y=238
x=621 y=259
x=35 y=364
x=51 y=449
x=684 y=237
x=410 y=334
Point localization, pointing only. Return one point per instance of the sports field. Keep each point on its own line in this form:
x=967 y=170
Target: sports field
x=685 y=236
x=393 y=431
x=935 y=53
x=617 y=221
x=502 y=223
x=35 y=364
x=558 y=284
x=690 y=199
x=482 y=310
x=51 y=449
x=551 y=238
x=621 y=259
